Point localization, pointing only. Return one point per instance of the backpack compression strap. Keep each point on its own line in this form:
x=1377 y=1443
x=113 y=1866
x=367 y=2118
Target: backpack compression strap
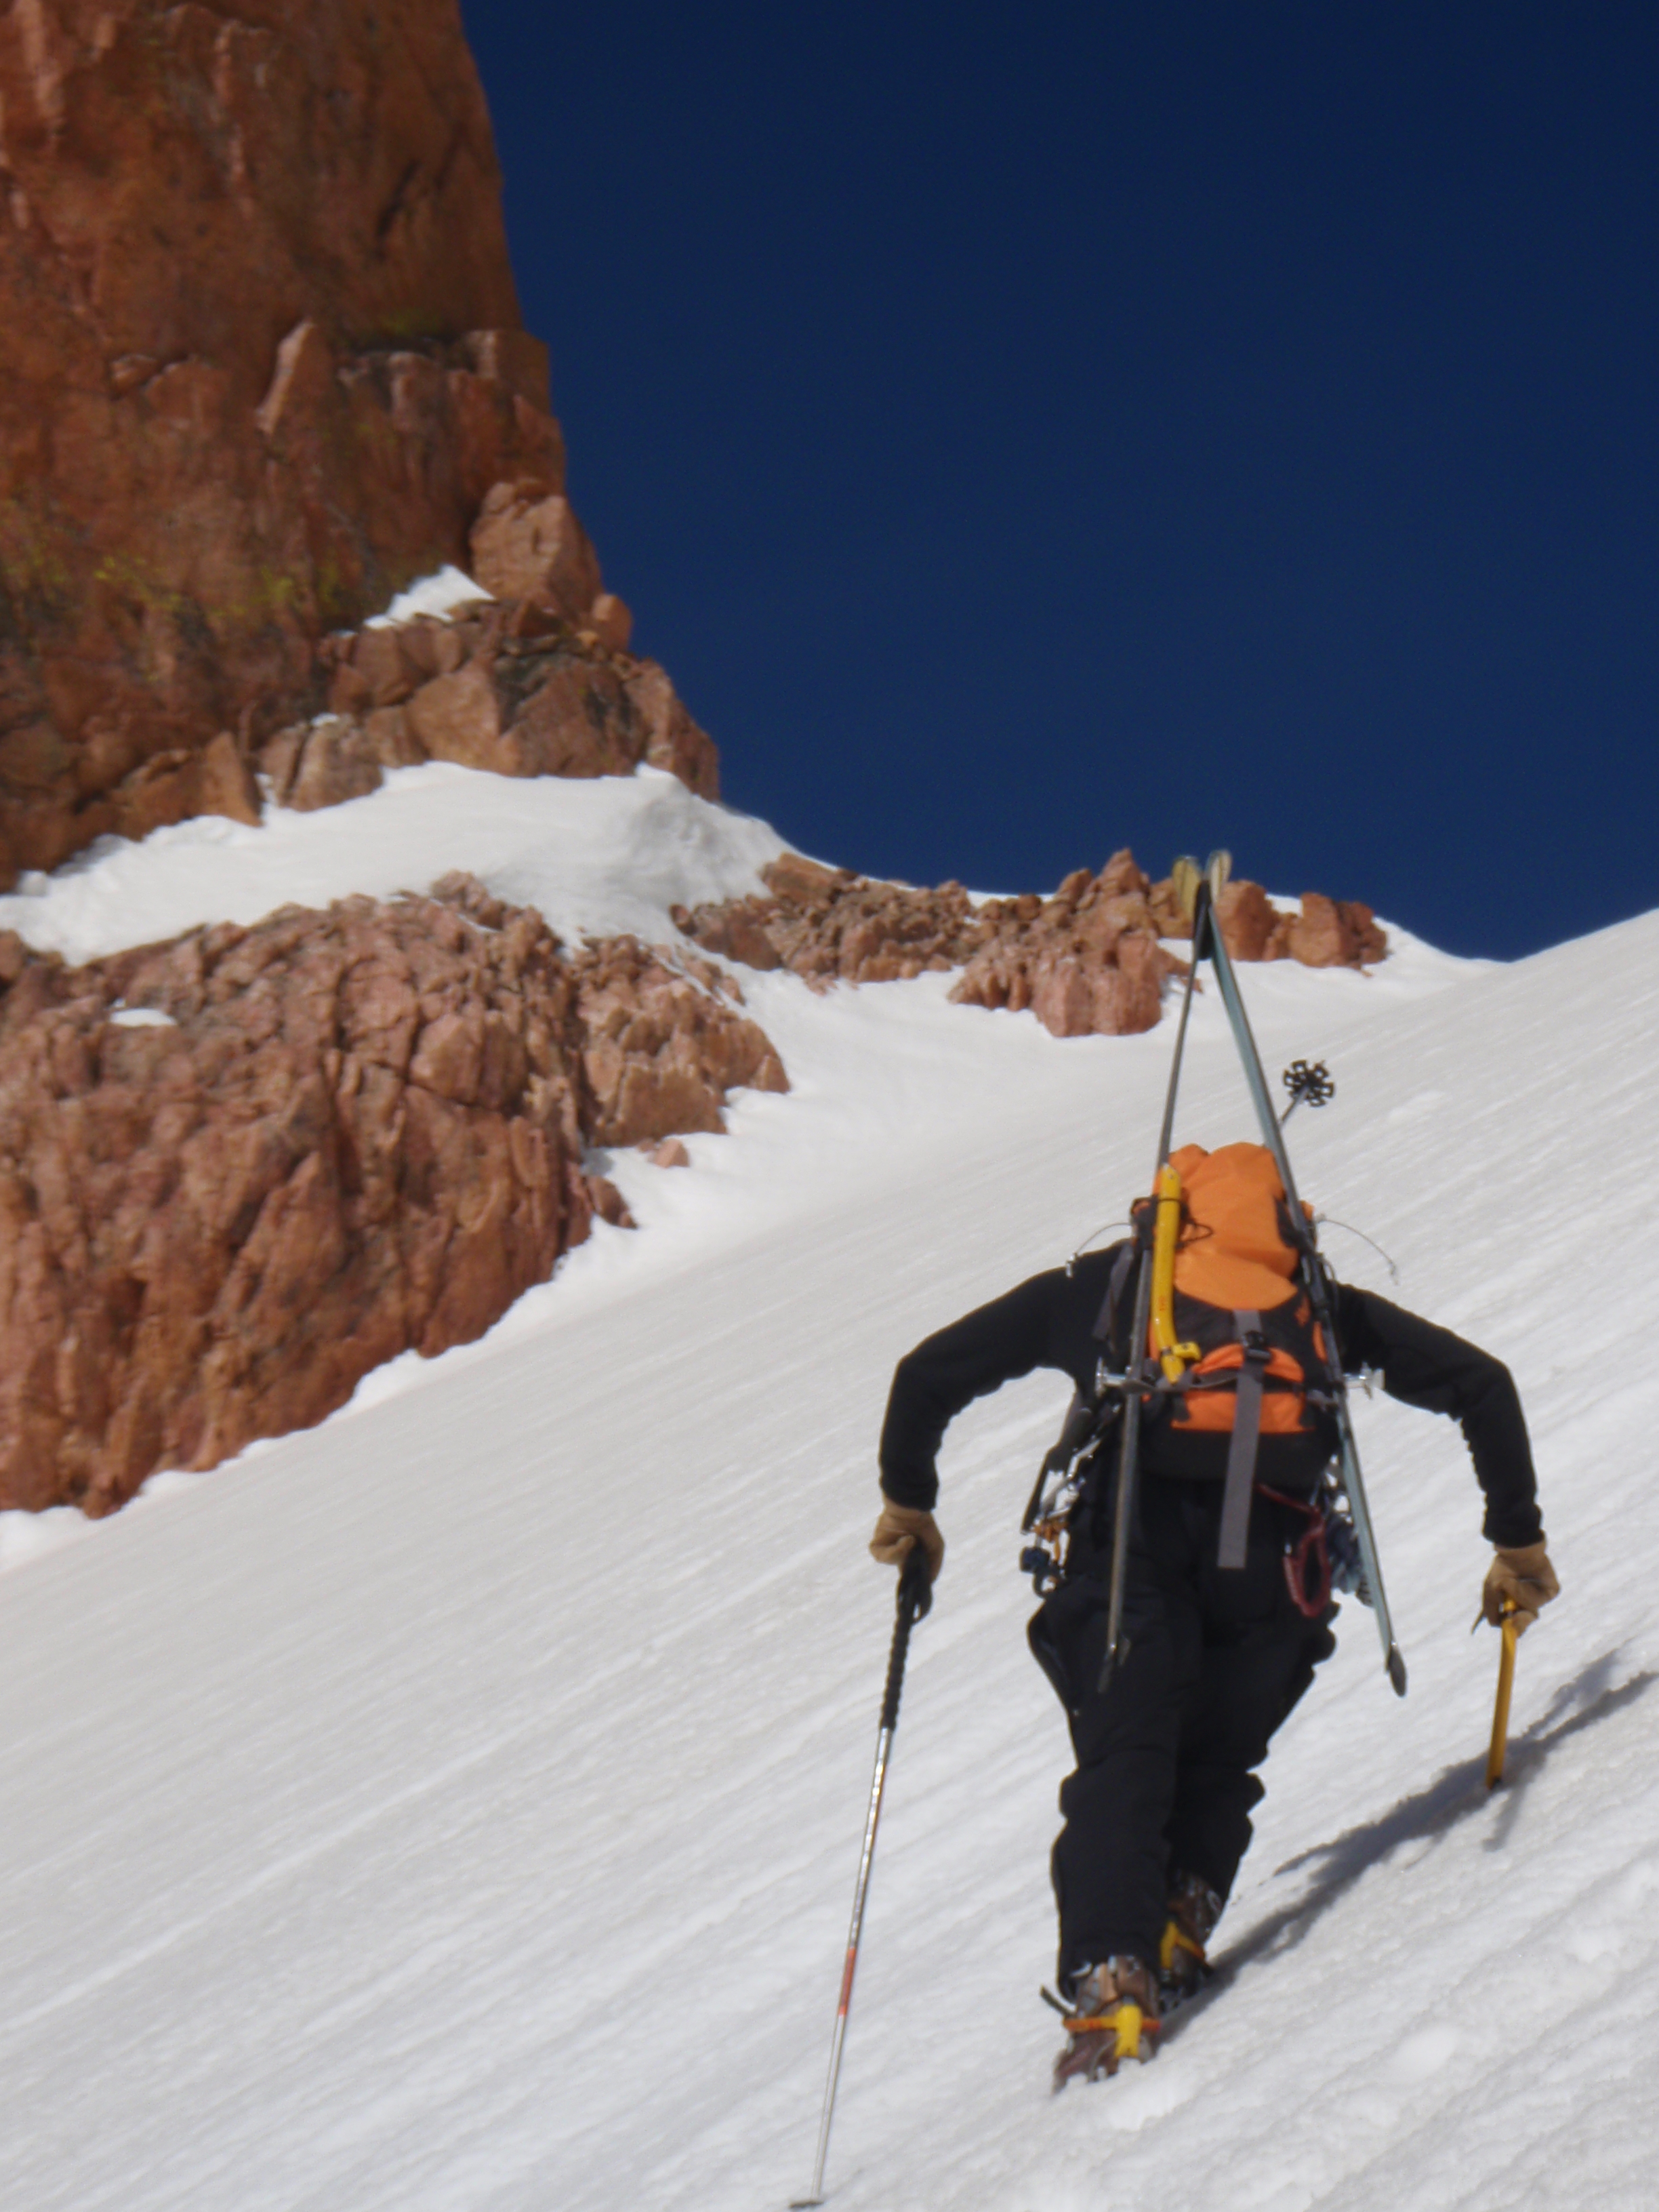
x=1242 y=1451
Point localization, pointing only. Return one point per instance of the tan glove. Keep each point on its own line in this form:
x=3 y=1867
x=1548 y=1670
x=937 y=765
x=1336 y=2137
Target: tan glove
x=1525 y=1578
x=898 y=1532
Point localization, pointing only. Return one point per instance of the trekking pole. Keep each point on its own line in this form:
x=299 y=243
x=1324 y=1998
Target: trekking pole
x=1500 y=1719
x=915 y=1595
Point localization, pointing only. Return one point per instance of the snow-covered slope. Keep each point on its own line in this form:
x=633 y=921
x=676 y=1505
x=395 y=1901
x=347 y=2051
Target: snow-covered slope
x=601 y=857
x=458 y=1806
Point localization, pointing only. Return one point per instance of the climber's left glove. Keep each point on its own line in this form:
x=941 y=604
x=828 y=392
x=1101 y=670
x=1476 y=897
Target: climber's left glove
x=1522 y=1574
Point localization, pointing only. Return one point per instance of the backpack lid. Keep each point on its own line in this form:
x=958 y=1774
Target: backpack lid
x=1233 y=1250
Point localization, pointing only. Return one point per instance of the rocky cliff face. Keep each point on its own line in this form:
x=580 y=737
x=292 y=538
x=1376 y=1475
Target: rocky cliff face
x=1087 y=961
x=239 y=1171
x=261 y=365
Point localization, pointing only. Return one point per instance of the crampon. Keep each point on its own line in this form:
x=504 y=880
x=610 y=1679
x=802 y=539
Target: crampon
x=1182 y=1966
x=1113 y=2015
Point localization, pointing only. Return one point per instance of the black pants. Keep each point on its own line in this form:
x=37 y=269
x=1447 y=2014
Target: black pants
x=1165 y=1760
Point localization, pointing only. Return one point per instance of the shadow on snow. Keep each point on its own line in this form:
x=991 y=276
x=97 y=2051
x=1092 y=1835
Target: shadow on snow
x=1429 y=1816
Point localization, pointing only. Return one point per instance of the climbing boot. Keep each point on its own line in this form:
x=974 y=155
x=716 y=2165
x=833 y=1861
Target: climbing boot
x=1182 y=1966
x=1113 y=2017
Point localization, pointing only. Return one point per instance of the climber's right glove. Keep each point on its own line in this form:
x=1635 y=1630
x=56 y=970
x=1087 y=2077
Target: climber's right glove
x=898 y=1532
x=1524 y=1576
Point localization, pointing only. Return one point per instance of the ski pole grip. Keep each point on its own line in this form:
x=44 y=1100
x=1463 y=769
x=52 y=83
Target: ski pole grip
x=915 y=1587
x=915 y=1595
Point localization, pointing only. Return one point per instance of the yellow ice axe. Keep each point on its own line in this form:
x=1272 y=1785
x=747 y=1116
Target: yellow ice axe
x=1500 y=1719
x=1173 y=1358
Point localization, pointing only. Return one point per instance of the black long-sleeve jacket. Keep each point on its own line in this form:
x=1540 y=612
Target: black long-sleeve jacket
x=1050 y=1321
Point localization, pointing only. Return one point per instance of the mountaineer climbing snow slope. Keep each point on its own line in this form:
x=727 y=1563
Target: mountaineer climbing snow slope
x=1189 y=1524
x=457 y=1804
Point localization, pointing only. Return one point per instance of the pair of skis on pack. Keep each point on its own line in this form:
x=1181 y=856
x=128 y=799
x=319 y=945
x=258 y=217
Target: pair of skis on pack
x=1200 y=892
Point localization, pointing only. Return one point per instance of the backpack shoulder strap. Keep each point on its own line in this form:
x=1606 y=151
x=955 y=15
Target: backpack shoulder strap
x=1105 y=1329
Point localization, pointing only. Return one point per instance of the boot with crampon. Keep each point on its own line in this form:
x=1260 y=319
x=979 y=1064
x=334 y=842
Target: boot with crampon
x=1113 y=2017
x=1182 y=1966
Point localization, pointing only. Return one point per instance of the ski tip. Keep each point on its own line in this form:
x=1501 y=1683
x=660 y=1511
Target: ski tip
x=1186 y=875
x=1218 y=871
x=802 y=2203
x=1396 y=1666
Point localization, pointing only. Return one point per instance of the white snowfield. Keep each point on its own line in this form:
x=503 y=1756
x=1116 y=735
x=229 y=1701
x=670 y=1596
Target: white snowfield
x=456 y=1808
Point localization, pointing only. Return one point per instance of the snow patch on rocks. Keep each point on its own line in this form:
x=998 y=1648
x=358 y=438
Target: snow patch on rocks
x=438 y=595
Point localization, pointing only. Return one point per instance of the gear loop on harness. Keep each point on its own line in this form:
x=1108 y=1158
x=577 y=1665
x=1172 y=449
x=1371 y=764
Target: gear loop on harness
x=1309 y=1597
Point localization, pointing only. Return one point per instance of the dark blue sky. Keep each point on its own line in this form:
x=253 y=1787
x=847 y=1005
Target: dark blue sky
x=1026 y=430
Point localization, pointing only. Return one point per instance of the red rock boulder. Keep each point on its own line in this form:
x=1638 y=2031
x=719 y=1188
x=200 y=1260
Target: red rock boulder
x=1333 y=933
x=514 y=688
x=661 y=1044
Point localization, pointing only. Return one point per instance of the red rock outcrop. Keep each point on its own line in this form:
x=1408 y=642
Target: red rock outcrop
x=1327 y=933
x=513 y=688
x=660 y=1046
x=1088 y=961
x=239 y=1171
x=261 y=365
x=830 y=925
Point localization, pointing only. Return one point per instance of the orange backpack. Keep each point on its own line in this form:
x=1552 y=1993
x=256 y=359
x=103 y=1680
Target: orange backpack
x=1232 y=1349
x=1238 y=1298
